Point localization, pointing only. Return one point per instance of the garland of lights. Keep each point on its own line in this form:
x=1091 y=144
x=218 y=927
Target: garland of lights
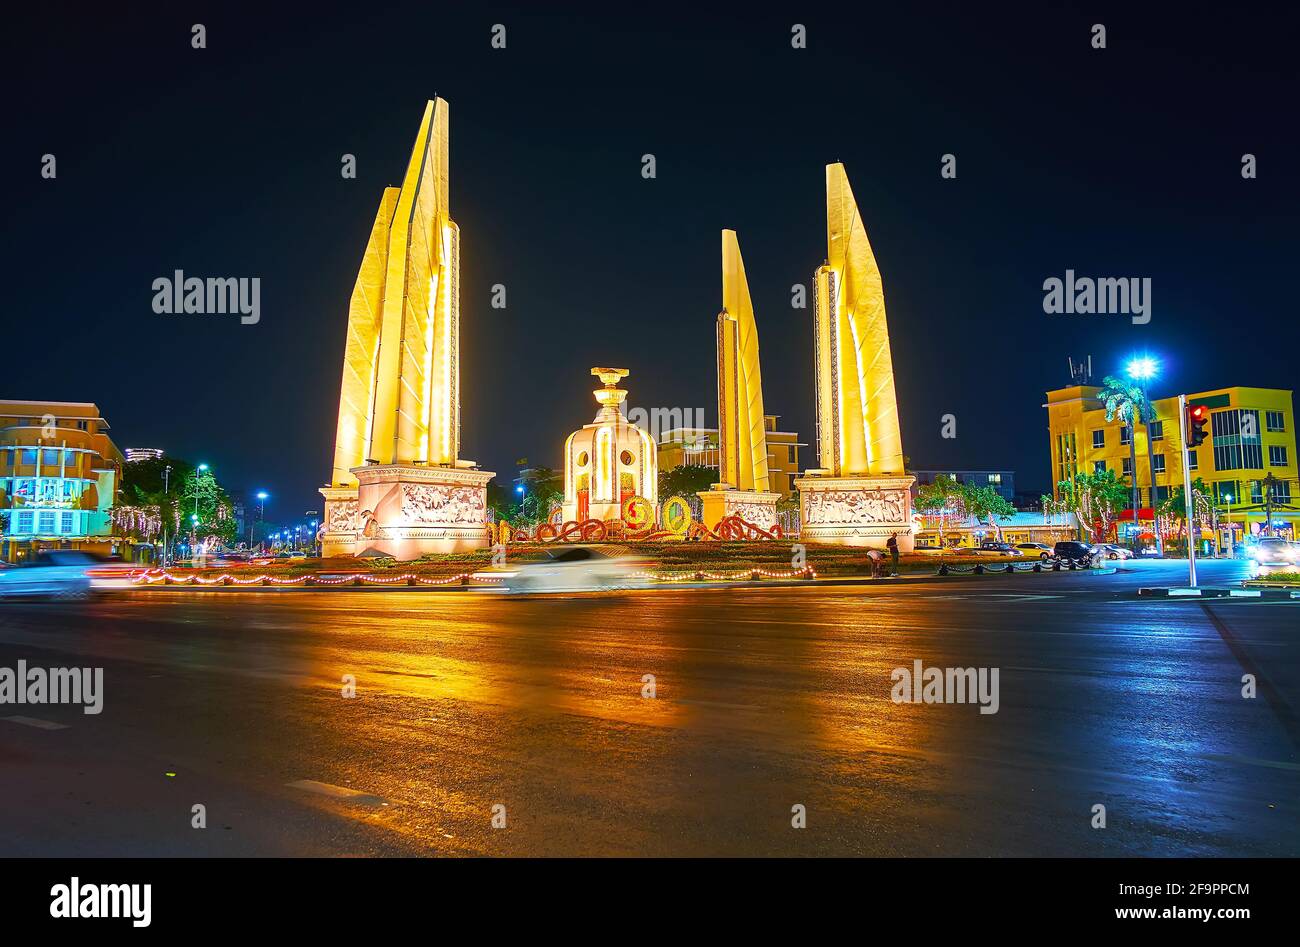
x=154 y=577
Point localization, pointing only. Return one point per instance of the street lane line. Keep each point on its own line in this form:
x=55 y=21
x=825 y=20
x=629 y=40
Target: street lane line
x=38 y=724
x=337 y=792
x=1249 y=761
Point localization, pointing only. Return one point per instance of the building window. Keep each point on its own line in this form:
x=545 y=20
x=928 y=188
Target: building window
x=1157 y=430
x=1275 y=420
x=1066 y=457
x=1192 y=462
x=1276 y=455
x=792 y=455
x=23 y=521
x=1226 y=492
x=1158 y=461
x=995 y=478
x=45 y=522
x=1125 y=435
x=29 y=457
x=1162 y=494
x=1099 y=440
x=66 y=521
x=1282 y=491
x=1127 y=466
x=793 y=488
x=1098 y=466
x=1237 y=440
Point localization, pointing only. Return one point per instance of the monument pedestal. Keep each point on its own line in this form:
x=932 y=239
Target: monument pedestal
x=750 y=505
x=338 y=532
x=857 y=511
x=407 y=510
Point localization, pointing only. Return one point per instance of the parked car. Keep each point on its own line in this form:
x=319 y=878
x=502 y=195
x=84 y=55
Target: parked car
x=1112 y=551
x=1041 y=550
x=578 y=569
x=1076 y=551
x=995 y=549
x=61 y=573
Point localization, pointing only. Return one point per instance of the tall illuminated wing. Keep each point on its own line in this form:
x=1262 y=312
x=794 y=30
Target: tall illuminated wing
x=401 y=379
x=361 y=352
x=857 y=406
x=741 y=427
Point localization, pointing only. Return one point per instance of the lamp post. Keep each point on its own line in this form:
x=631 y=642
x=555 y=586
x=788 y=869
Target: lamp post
x=167 y=470
x=1142 y=370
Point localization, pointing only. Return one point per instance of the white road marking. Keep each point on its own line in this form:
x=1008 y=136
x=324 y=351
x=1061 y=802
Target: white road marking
x=1249 y=761
x=337 y=792
x=38 y=724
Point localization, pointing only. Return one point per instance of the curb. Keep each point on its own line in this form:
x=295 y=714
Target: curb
x=1183 y=592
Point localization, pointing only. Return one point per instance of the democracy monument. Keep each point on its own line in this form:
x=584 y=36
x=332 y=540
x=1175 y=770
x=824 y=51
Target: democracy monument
x=399 y=487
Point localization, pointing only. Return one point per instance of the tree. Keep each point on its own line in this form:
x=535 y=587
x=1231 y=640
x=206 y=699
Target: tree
x=987 y=502
x=543 y=488
x=1096 y=499
x=686 y=480
x=1128 y=403
x=945 y=500
x=205 y=508
x=1175 y=506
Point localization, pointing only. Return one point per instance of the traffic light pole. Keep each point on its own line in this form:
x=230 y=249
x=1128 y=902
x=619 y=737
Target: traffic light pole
x=1187 y=491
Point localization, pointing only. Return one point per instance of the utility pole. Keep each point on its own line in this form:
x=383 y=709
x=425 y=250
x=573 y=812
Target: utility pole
x=1268 y=503
x=1190 y=506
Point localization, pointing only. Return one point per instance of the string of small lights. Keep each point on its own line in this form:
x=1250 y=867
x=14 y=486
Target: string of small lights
x=157 y=576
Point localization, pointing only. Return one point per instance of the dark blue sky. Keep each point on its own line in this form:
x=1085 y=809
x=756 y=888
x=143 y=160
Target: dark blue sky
x=225 y=162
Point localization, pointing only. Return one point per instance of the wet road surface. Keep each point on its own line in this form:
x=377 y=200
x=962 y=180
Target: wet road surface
x=764 y=699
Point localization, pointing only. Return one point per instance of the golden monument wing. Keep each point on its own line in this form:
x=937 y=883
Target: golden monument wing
x=742 y=433
x=400 y=396
x=867 y=430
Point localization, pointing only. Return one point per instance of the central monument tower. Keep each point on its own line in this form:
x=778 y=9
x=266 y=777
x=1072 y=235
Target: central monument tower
x=859 y=494
x=399 y=486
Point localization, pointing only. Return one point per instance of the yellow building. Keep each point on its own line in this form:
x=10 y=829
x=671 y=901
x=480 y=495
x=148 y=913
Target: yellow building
x=1251 y=436
x=59 y=474
x=699 y=445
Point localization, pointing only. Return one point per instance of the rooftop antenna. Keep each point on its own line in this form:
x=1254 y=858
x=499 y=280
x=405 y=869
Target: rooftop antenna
x=1081 y=372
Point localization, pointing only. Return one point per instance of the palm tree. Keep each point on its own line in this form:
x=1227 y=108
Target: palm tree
x=1128 y=403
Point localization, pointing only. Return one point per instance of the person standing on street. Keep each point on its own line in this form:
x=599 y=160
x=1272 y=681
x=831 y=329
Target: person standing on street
x=892 y=546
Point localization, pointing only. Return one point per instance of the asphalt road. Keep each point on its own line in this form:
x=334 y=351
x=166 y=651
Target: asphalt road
x=765 y=699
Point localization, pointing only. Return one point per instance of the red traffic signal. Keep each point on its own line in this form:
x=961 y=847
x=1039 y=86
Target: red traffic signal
x=1197 y=417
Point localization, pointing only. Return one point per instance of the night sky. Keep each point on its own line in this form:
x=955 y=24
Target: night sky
x=225 y=162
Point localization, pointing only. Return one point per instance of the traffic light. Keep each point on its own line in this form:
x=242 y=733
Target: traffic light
x=1197 y=417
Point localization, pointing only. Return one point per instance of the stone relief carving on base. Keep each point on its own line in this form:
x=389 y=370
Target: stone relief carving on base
x=756 y=513
x=440 y=505
x=341 y=516
x=854 y=507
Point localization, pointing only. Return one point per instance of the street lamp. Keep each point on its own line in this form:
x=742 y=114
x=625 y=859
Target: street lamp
x=1142 y=368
